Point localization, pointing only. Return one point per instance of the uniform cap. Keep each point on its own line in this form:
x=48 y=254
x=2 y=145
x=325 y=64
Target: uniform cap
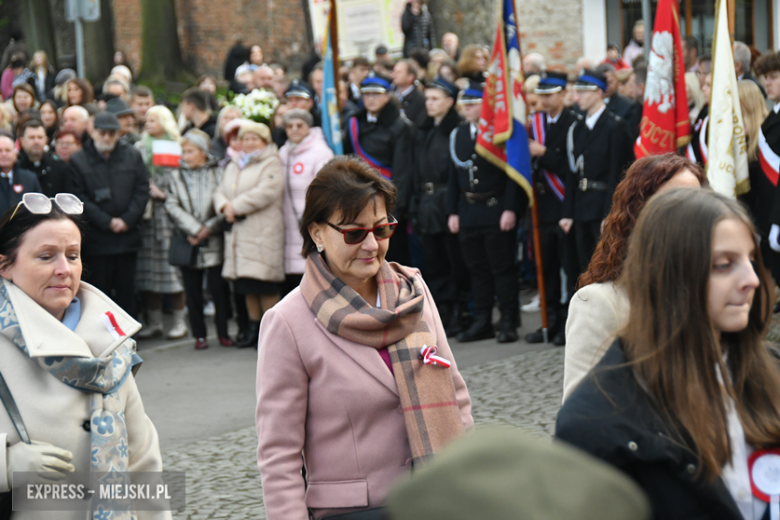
x=375 y=84
x=551 y=82
x=299 y=89
x=591 y=80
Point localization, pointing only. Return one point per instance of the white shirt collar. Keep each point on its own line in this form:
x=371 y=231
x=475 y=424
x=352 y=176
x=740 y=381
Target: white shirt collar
x=473 y=129
x=606 y=100
x=402 y=95
x=555 y=119
x=740 y=77
x=591 y=120
x=9 y=176
x=776 y=108
x=370 y=118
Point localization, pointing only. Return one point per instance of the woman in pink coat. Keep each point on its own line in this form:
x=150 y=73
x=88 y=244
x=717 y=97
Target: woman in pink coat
x=304 y=153
x=354 y=371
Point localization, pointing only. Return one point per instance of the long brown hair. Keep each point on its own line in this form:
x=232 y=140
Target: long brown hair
x=671 y=342
x=643 y=179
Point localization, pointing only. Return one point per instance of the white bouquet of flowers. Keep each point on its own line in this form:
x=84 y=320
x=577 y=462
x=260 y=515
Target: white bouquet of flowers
x=258 y=105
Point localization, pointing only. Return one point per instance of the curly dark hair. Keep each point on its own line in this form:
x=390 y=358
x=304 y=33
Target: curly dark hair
x=642 y=181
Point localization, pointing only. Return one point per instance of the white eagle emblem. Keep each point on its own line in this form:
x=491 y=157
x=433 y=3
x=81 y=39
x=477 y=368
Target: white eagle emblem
x=660 y=72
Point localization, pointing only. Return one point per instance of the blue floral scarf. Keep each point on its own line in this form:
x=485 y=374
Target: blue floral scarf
x=101 y=377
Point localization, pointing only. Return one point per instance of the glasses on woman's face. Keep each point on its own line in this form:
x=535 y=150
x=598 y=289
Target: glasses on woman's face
x=358 y=235
x=40 y=204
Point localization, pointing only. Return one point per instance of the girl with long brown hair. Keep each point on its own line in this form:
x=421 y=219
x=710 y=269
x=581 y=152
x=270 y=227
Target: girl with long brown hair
x=688 y=393
x=600 y=307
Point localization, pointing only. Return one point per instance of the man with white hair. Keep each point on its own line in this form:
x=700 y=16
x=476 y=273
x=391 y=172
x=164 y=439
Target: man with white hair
x=742 y=59
x=263 y=77
x=534 y=63
x=451 y=45
x=123 y=72
x=75 y=119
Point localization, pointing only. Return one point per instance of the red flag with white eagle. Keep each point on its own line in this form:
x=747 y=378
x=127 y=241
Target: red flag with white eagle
x=665 y=125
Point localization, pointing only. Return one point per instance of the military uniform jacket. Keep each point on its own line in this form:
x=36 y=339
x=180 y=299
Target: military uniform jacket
x=432 y=151
x=628 y=110
x=413 y=106
x=554 y=161
x=598 y=155
x=487 y=177
x=767 y=196
x=389 y=141
x=54 y=174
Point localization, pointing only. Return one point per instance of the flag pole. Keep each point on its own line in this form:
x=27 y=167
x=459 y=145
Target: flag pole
x=334 y=45
x=535 y=221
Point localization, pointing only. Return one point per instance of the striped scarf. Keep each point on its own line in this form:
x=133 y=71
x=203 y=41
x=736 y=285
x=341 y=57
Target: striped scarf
x=427 y=392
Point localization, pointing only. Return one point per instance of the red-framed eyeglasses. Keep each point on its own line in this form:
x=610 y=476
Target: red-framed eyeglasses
x=358 y=235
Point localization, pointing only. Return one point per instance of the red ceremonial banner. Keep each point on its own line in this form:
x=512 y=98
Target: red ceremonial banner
x=495 y=122
x=665 y=125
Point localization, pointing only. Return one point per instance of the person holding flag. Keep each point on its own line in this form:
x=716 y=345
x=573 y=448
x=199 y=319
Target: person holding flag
x=551 y=166
x=382 y=137
x=502 y=139
x=665 y=125
x=727 y=163
x=597 y=151
x=483 y=204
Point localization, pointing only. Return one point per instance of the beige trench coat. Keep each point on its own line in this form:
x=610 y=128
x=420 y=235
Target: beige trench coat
x=254 y=247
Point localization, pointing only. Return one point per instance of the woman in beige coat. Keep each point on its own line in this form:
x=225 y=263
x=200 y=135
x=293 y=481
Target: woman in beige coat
x=250 y=197
x=67 y=356
x=600 y=307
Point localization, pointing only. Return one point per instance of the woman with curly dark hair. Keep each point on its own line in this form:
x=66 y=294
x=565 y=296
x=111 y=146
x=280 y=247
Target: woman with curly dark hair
x=600 y=307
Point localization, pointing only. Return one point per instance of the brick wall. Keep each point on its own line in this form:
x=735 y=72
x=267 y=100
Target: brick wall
x=207 y=30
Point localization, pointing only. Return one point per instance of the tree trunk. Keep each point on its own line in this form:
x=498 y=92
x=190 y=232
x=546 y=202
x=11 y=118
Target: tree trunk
x=39 y=34
x=160 y=51
x=99 y=44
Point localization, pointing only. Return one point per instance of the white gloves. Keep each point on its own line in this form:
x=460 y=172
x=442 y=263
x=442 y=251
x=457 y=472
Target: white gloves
x=48 y=462
x=773 y=235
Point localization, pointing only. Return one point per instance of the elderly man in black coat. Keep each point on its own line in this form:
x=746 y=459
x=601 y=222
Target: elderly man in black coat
x=380 y=135
x=14 y=181
x=111 y=179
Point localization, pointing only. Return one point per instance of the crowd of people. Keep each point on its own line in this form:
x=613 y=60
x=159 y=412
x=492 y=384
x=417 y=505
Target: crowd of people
x=660 y=289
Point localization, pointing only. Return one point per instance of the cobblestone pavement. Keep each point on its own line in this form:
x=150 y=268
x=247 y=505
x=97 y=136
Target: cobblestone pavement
x=223 y=481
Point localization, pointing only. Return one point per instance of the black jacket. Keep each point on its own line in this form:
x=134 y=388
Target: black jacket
x=54 y=175
x=418 y=31
x=605 y=151
x=771 y=131
x=413 y=107
x=556 y=162
x=609 y=416
x=432 y=154
x=24 y=181
x=210 y=126
x=117 y=187
x=388 y=141
x=629 y=111
x=487 y=178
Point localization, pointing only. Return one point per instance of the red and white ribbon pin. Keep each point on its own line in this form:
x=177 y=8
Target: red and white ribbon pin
x=111 y=324
x=429 y=357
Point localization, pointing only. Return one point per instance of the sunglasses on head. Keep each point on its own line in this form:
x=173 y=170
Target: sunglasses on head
x=358 y=235
x=40 y=204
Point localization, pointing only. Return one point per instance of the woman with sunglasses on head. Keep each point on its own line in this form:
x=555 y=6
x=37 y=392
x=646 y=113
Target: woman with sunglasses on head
x=687 y=400
x=57 y=332
x=250 y=198
x=354 y=370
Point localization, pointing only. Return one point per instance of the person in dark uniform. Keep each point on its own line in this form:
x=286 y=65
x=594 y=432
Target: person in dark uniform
x=298 y=95
x=380 y=135
x=551 y=167
x=483 y=205
x=409 y=96
x=443 y=267
x=626 y=108
x=597 y=149
x=14 y=181
x=54 y=174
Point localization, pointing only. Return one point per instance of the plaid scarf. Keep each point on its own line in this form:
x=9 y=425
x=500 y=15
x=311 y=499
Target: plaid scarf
x=427 y=392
